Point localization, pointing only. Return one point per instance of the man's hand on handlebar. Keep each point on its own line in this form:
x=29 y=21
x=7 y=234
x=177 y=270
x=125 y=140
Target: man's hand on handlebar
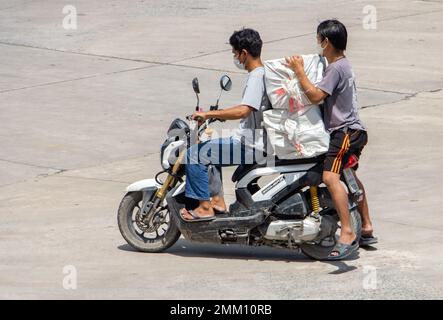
x=200 y=116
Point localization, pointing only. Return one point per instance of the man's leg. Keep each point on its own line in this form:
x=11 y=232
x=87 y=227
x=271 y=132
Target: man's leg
x=216 y=188
x=359 y=139
x=199 y=157
x=197 y=183
x=239 y=154
x=363 y=208
x=333 y=166
x=340 y=199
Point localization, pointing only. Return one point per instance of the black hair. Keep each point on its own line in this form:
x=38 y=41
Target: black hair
x=247 y=39
x=335 y=31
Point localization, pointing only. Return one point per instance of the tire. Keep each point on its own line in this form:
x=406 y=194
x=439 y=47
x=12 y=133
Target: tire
x=136 y=240
x=320 y=252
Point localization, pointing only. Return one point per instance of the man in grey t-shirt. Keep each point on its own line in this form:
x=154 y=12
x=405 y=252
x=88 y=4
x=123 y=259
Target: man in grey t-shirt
x=254 y=95
x=340 y=107
x=348 y=135
x=246 y=146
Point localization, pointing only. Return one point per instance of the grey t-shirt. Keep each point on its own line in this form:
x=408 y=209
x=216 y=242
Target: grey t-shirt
x=254 y=95
x=340 y=106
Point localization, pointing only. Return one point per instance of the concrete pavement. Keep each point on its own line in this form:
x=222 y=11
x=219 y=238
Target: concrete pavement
x=83 y=113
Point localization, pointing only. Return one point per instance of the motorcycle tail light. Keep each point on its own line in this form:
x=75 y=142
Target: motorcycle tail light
x=352 y=162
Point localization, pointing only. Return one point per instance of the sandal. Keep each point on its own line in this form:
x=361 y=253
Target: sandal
x=367 y=240
x=343 y=250
x=195 y=216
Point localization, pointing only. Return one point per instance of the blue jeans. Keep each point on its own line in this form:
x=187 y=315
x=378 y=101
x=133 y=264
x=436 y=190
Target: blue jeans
x=222 y=152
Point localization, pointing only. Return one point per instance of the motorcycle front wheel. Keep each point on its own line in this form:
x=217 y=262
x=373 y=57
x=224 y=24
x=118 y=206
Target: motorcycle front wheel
x=322 y=250
x=137 y=234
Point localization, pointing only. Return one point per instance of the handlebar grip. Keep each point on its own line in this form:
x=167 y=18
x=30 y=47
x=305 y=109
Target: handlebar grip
x=199 y=119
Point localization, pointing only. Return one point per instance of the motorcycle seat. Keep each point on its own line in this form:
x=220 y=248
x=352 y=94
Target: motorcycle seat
x=244 y=169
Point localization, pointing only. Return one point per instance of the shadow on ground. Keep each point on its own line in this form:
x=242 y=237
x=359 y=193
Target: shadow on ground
x=184 y=248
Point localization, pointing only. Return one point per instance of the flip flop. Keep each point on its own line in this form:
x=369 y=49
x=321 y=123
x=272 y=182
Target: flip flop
x=343 y=250
x=367 y=240
x=195 y=217
x=218 y=210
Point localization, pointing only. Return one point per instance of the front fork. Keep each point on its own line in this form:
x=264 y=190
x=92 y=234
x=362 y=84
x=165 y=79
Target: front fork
x=161 y=193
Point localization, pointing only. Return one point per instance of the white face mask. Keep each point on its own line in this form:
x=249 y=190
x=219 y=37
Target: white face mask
x=320 y=49
x=238 y=64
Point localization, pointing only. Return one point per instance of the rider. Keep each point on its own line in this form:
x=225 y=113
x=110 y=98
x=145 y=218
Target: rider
x=348 y=135
x=246 y=146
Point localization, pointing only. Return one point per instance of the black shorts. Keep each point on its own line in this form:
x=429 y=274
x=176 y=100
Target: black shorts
x=341 y=146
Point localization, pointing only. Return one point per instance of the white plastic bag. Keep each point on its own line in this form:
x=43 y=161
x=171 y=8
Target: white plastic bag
x=294 y=126
x=282 y=85
x=296 y=137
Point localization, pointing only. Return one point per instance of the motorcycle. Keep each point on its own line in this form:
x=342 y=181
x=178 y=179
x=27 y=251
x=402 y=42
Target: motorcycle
x=294 y=210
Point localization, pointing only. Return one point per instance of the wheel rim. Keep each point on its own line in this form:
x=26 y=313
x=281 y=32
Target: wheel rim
x=139 y=229
x=322 y=250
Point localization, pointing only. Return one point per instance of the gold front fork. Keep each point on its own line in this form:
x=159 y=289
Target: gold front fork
x=170 y=180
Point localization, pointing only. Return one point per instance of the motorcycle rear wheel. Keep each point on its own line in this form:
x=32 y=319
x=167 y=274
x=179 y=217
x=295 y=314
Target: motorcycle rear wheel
x=156 y=241
x=320 y=252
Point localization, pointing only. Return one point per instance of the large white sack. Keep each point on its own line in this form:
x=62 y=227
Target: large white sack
x=294 y=136
x=295 y=126
x=282 y=85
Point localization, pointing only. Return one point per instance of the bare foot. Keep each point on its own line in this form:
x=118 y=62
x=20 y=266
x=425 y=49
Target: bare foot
x=218 y=203
x=347 y=237
x=367 y=231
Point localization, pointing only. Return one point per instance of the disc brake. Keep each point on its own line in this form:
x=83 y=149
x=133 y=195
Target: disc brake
x=149 y=220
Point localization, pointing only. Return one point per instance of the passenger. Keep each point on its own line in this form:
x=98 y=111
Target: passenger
x=348 y=134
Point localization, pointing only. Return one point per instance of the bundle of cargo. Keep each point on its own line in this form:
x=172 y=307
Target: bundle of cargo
x=294 y=125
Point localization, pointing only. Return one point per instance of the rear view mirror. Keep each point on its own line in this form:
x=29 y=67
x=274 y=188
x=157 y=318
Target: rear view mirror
x=225 y=83
x=195 y=85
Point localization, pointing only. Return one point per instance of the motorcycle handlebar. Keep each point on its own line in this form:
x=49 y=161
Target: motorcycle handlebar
x=203 y=126
x=189 y=118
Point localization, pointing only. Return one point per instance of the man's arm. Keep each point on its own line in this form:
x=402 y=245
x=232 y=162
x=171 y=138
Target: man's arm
x=314 y=94
x=232 y=113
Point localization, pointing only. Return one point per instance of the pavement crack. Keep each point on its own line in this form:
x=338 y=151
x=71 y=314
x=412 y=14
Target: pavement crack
x=174 y=63
x=115 y=161
x=50 y=174
x=77 y=53
x=405 y=98
x=305 y=34
x=76 y=79
x=409 y=15
x=412 y=95
x=47 y=84
x=93 y=179
x=32 y=165
x=152 y=64
x=384 y=90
